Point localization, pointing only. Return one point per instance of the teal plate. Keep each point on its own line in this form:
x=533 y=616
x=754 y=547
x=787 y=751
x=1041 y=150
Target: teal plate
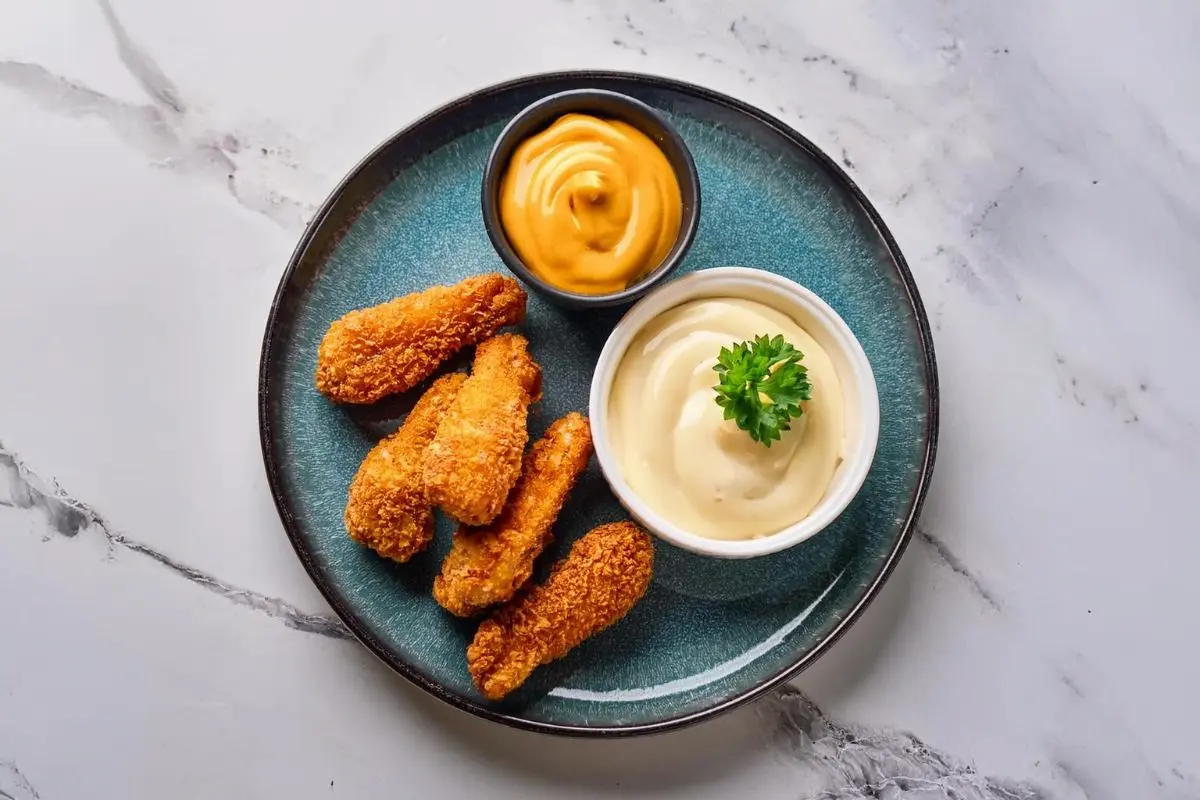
x=709 y=634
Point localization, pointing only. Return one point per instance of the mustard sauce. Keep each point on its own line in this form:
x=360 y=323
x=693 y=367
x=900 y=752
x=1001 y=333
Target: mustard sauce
x=590 y=205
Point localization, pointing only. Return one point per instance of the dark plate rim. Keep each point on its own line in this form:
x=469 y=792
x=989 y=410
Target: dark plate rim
x=333 y=596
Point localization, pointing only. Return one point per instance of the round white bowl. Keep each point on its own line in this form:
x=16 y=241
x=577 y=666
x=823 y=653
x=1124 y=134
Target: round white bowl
x=823 y=324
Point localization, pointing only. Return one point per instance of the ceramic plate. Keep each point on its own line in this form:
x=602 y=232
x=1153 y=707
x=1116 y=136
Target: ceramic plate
x=709 y=634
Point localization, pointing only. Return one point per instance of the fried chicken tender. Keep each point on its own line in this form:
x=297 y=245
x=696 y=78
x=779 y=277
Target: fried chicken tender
x=488 y=565
x=389 y=348
x=475 y=457
x=604 y=576
x=387 y=510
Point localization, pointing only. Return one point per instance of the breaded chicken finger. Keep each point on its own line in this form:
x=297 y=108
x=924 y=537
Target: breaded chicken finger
x=387 y=510
x=488 y=565
x=389 y=348
x=606 y=573
x=475 y=458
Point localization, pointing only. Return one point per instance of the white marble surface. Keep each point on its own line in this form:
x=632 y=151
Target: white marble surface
x=1039 y=164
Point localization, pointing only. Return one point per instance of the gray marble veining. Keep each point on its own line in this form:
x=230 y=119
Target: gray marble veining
x=65 y=516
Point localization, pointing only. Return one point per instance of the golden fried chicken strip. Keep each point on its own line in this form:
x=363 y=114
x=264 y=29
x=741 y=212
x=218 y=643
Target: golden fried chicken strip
x=488 y=565
x=475 y=458
x=387 y=510
x=373 y=352
x=606 y=573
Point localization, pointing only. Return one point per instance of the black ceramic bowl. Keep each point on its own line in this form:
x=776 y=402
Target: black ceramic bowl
x=610 y=105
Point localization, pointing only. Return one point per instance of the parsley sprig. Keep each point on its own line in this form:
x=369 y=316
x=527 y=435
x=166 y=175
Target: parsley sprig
x=762 y=384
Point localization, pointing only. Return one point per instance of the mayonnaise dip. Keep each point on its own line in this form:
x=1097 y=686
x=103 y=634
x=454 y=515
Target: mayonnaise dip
x=698 y=470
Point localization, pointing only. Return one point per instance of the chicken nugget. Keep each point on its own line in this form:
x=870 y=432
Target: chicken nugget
x=600 y=581
x=389 y=348
x=387 y=510
x=488 y=565
x=475 y=457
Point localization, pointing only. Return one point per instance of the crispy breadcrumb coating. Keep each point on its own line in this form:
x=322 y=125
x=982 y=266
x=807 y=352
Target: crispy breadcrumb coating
x=606 y=573
x=488 y=565
x=387 y=510
x=373 y=352
x=475 y=458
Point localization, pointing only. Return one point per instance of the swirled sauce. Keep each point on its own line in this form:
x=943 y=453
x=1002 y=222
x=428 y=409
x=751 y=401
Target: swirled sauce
x=590 y=205
x=692 y=466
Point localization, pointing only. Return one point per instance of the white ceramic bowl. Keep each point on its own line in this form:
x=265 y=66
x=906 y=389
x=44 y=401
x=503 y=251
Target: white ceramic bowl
x=823 y=324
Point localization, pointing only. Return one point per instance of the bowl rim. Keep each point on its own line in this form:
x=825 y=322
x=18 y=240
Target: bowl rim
x=691 y=287
x=688 y=178
x=317 y=238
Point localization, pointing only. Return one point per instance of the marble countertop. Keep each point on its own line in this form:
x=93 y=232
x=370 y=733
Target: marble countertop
x=1039 y=164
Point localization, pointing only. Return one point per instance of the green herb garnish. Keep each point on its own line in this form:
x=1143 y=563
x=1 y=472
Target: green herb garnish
x=762 y=385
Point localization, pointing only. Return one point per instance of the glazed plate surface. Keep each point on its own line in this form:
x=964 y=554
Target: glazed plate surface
x=710 y=633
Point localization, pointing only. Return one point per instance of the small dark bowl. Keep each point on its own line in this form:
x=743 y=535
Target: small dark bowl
x=611 y=105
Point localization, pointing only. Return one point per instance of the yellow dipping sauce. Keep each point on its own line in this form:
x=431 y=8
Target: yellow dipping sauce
x=590 y=205
x=698 y=470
